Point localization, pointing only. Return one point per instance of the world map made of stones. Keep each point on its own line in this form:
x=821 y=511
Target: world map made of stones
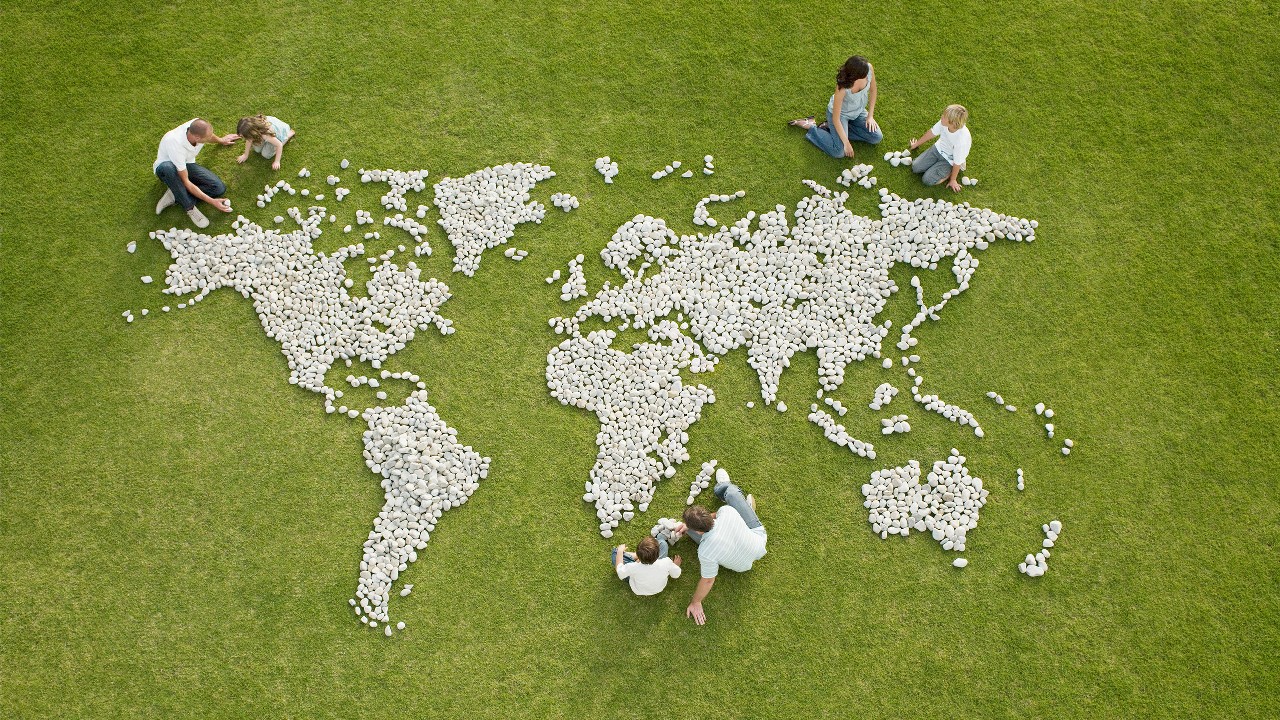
x=814 y=280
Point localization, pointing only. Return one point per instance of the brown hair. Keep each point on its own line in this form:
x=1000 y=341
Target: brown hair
x=853 y=70
x=647 y=550
x=698 y=518
x=254 y=128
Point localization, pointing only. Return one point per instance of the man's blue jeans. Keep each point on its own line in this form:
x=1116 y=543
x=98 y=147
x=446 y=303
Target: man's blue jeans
x=200 y=176
x=732 y=496
x=829 y=140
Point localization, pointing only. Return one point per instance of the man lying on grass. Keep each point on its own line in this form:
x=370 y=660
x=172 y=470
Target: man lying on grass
x=732 y=537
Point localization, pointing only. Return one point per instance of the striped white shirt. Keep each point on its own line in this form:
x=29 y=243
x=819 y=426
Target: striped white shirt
x=730 y=543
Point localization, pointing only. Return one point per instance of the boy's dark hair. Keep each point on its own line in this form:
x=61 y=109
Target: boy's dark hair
x=854 y=69
x=698 y=518
x=647 y=550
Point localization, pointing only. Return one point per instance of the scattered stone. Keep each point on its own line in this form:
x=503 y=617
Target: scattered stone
x=608 y=168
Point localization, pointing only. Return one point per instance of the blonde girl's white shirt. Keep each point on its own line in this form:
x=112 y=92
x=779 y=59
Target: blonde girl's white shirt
x=649 y=579
x=953 y=146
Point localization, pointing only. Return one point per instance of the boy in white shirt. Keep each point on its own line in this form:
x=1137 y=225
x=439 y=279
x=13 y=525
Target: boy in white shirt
x=947 y=157
x=649 y=568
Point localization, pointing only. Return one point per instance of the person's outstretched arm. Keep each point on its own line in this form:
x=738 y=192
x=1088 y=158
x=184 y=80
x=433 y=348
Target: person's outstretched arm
x=872 y=125
x=275 y=164
x=837 y=125
x=695 y=605
x=222 y=204
x=915 y=143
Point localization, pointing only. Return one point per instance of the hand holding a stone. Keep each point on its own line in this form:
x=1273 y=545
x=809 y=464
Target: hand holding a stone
x=222 y=204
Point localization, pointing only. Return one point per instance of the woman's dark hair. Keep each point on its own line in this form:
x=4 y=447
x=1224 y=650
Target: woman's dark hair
x=854 y=69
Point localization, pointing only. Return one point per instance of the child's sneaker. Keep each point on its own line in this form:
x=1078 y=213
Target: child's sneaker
x=165 y=201
x=198 y=218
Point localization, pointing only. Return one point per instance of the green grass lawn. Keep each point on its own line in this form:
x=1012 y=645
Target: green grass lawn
x=180 y=528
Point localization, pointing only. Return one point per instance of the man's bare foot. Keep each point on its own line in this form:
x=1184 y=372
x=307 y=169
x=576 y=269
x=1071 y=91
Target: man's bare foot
x=805 y=123
x=751 y=500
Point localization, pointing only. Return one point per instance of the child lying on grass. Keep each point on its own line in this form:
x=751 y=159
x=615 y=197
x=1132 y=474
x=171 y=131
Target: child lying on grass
x=648 y=569
x=265 y=134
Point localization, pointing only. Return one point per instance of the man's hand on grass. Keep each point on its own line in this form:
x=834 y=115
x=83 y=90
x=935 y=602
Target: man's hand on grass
x=695 y=611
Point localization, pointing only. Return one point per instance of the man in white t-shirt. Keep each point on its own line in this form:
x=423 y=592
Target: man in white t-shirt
x=732 y=537
x=649 y=569
x=948 y=156
x=188 y=182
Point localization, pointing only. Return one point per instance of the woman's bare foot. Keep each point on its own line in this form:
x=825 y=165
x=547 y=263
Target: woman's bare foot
x=805 y=123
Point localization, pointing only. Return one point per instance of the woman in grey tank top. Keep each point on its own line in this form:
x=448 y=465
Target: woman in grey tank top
x=850 y=112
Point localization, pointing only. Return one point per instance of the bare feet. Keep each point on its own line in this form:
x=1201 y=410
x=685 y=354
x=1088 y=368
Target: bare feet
x=805 y=123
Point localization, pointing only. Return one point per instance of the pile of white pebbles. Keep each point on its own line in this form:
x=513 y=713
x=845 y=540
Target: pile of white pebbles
x=608 y=168
x=860 y=174
x=1038 y=564
x=774 y=283
x=666 y=530
x=481 y=210
x=303 y=302
x=702 y=481
x=947 y=506
x=884 y=396
x=898 y=157
x=702 y=216
x=836 y=433
x=425 y=472
x=564 y=201
x=895 y=424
